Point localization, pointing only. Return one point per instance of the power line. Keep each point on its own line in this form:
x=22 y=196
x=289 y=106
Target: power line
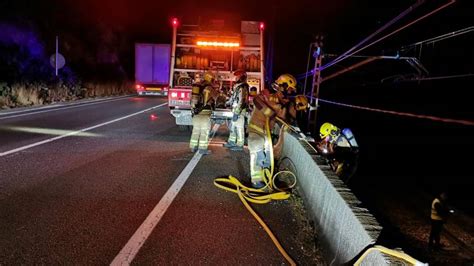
x=428 y=117
x=392 y=33
x=388 y=24
x=439 y=38
x=350 y=52
x=441 y=77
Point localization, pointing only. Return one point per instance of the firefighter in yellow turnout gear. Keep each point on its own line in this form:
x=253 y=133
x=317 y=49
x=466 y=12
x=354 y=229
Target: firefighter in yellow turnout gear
x=267 y=106
x=202 y=103
x=239 y=102
x=340 y=148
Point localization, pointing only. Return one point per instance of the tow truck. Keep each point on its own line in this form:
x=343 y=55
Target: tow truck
x=212 y=47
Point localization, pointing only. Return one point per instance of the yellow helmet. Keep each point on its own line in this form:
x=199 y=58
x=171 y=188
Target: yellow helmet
x=287 y=82
x=328 y=129
x=301 y=102
x=209 y=77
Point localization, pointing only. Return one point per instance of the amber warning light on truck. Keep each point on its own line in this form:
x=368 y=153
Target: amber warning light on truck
x=217 y=44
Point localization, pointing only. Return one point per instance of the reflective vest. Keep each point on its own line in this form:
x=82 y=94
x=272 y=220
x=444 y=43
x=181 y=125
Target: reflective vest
x=434 y=213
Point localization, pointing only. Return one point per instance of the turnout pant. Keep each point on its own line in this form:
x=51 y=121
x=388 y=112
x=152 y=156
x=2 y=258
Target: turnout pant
x=201 y=129
x=237 y=131
x=259 y=148
x=435 y=234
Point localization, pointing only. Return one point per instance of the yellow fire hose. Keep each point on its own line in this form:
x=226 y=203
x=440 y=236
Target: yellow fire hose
x=267 y=193
x=261 y=195
x=390 y=252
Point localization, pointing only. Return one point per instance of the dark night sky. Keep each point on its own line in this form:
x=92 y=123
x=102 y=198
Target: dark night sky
x=343 y=22
x=388 y=142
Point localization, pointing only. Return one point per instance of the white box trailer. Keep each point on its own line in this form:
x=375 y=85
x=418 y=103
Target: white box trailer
x=152 y=68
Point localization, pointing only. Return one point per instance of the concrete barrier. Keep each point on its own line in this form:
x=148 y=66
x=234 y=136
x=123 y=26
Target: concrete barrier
x=345 y=226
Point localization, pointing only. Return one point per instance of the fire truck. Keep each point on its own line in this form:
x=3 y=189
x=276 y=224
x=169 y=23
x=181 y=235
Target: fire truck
x=212 y=47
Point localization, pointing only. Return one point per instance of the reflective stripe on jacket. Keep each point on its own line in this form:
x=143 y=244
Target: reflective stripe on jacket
x=434 y=213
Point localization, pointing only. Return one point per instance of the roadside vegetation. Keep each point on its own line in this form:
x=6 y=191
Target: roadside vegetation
x=27 y=77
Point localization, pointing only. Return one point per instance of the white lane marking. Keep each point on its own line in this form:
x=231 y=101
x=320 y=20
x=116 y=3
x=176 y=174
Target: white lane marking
x=130 y=250
x=77 y=132
x=59 y=109
x=47 y=131
x=53 y=105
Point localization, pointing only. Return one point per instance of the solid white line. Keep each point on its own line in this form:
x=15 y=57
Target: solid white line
x=77 y=105
x=130 y=250
x=77 y=132
x=60 y=104
x=53 y=105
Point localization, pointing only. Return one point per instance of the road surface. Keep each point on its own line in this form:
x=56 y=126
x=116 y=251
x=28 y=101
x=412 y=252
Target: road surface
x=114 y=182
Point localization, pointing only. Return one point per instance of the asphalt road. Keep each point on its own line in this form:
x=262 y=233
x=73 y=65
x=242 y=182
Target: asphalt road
x=78 y=181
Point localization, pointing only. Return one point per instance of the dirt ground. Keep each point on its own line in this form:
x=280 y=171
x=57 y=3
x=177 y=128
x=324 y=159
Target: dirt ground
x=407 y=225
x=306 y=232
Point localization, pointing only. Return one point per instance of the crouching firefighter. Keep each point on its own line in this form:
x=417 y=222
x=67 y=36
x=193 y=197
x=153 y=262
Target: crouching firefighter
x=268 y=105
x=239 y=103
x=202 y=103
x=340 y=148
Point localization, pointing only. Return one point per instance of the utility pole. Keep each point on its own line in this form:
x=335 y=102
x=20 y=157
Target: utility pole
x=175 y=23
x=307 y=67
x=318 y=55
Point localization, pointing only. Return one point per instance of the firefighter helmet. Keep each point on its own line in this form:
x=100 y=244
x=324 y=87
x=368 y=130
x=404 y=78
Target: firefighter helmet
x=301 y=102
x=287 y=82
x=328 y=129
x=240 y=76
x=209 y=77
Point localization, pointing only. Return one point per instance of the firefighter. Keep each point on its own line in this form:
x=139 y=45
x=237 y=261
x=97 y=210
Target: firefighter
x=201 y=107
x=439 y=214
x=341 y=148
x=269 y=104
x=239 y=102
x=296 y=104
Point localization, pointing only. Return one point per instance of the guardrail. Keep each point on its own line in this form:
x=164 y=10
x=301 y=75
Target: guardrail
x=346 y=227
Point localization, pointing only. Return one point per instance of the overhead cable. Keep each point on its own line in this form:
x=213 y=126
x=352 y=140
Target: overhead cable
x=429 y=117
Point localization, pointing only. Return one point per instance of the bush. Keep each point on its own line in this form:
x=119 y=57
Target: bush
x=38 y=93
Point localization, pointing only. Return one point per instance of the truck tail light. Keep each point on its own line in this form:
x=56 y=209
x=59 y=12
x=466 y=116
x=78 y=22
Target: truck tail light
x=174 y=95
x=175 y=22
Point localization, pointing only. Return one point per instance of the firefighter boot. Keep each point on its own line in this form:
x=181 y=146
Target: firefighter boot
x=258 y=184
x=236 y=148
x=229 y=144
x=204 y=151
